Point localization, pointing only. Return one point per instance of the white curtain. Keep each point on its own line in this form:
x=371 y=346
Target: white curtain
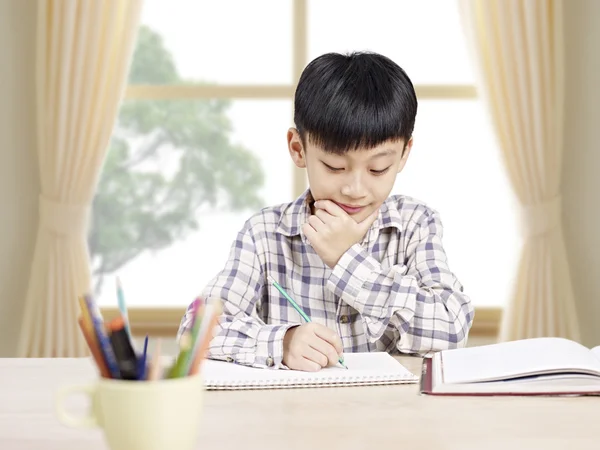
x=518 y=48
x=83 y=54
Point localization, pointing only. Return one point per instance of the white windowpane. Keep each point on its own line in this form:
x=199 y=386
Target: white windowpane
x=172 y=162
x=456 y=168
x=423 y=36
x=222 y=42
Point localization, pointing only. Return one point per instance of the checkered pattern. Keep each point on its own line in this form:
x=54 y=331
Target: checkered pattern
x=392 y=292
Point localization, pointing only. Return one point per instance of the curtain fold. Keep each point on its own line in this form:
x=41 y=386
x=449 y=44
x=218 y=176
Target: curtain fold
x=83 y=54
x=518 y=48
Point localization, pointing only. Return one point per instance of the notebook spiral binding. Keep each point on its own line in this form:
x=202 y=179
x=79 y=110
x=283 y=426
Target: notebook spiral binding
x=302 y=382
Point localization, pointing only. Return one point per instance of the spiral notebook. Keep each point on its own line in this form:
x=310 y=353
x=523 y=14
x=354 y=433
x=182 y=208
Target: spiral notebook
x=363 y=369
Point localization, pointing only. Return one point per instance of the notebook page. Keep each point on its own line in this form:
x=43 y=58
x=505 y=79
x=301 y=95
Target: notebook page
x=363 y=368
x=515 y=358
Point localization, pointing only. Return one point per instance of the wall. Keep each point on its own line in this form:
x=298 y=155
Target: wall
x=18 y=165
x=581 y=180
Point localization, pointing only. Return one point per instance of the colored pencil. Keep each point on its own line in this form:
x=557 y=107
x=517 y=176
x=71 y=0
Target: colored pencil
x=94 y=349
x=205 y=337
x=187 y=343
x=123 y=306
x=87 y=320
x=103 y=341
x=142 y=362
x=154 y=369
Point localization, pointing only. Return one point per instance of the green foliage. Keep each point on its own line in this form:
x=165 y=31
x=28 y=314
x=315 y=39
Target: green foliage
x=168 y=159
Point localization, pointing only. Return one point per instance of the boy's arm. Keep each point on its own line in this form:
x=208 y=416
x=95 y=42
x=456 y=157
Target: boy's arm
x=422 y=300
x=241 y=336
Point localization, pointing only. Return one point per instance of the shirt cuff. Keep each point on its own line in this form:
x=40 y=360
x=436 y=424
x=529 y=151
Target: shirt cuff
x=269 y=347
x=349 y=275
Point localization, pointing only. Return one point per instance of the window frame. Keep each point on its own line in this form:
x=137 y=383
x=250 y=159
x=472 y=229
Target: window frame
x=164 y=321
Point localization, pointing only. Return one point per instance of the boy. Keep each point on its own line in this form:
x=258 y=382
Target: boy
x=369 y=270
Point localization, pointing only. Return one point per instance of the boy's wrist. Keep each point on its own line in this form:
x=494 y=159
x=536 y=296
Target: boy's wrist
x=351 y=272
x=355 y=265
x=269 y=347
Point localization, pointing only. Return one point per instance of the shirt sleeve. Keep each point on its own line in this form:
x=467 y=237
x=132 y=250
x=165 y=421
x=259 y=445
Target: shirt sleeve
x=241 y=335
x=421 y=300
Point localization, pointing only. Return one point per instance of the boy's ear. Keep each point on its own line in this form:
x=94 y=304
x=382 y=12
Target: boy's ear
x=405 y=154
x=296 y=148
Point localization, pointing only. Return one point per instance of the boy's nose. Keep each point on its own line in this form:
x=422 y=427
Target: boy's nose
x=354 y=188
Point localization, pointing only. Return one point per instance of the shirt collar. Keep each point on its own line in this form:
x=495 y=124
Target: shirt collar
x=296 y=214
x=389 y=214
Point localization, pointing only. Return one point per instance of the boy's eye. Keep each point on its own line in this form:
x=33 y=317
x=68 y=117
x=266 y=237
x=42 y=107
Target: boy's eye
x=333 y=169
x=380 y=172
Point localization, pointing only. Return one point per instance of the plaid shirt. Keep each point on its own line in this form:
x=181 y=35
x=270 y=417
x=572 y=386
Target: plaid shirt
x=392 y=292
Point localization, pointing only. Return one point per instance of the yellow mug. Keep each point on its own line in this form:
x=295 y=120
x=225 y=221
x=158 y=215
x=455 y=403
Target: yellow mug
x=141 y=415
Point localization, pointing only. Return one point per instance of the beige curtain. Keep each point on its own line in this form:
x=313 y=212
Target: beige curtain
x=518 y=48
x=83 y=54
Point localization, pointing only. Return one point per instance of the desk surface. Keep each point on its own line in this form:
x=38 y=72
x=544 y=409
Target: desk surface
x=345 y=418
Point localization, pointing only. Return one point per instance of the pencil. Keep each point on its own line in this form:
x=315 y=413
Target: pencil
x=297 y=308
x=93 y=345
x=154 y=370
x=86 y=319
x=186 y=342
x=215 y=309
x=143 y=366
x=123 y=306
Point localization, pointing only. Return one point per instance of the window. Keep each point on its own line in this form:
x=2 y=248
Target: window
x=200 y=140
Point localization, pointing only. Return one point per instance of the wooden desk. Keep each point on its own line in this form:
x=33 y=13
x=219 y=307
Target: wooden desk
x=328 y=418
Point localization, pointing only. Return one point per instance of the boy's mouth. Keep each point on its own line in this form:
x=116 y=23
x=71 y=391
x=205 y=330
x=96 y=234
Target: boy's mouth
x=350 y=209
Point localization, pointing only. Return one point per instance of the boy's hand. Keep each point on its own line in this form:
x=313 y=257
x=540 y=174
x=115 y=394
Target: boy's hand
x=331 y=231
x=310 y=347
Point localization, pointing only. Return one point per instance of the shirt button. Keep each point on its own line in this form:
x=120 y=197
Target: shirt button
x=344 y=319
x=270 y=362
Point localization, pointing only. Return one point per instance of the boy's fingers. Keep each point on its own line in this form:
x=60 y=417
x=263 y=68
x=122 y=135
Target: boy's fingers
x=323 y=215
x=330 y=336
x=309 y=231
x=316 y=355
x=330 y=207
x=316 y=222
x=308 y=366
x=326 y=349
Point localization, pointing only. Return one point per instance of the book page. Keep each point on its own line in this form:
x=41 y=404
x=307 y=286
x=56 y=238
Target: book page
x=362 y=367
x=516 y=358
x=596 y=352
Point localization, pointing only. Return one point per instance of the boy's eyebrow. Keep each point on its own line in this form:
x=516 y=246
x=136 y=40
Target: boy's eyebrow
x=382 y=153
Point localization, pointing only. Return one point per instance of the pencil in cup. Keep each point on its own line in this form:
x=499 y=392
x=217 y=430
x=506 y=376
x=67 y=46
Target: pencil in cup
x=297 y=308
x=123 y=306
x=194 y=352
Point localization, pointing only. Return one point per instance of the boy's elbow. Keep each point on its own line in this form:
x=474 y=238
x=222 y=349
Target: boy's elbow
x=459 y=340
x=458 y=330
x=460 y=314
x=451 y=340
x=456 y=335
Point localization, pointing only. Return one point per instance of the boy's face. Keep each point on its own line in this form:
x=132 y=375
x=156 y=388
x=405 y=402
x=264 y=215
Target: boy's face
x=358 y=181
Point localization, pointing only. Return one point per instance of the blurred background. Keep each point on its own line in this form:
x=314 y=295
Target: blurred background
x=199 y=145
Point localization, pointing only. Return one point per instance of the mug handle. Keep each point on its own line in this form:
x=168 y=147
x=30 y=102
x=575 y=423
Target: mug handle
x=88 y=421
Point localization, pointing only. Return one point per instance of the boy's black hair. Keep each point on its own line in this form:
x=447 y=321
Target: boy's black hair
x=357 y=100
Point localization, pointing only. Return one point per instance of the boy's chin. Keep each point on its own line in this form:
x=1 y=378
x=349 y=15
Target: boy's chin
x=362 y=215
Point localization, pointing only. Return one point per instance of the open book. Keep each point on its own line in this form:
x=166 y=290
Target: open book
x=363 y=369
x=537 y=366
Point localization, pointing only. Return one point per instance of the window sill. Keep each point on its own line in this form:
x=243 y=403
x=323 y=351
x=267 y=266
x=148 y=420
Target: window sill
x=164 y=322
